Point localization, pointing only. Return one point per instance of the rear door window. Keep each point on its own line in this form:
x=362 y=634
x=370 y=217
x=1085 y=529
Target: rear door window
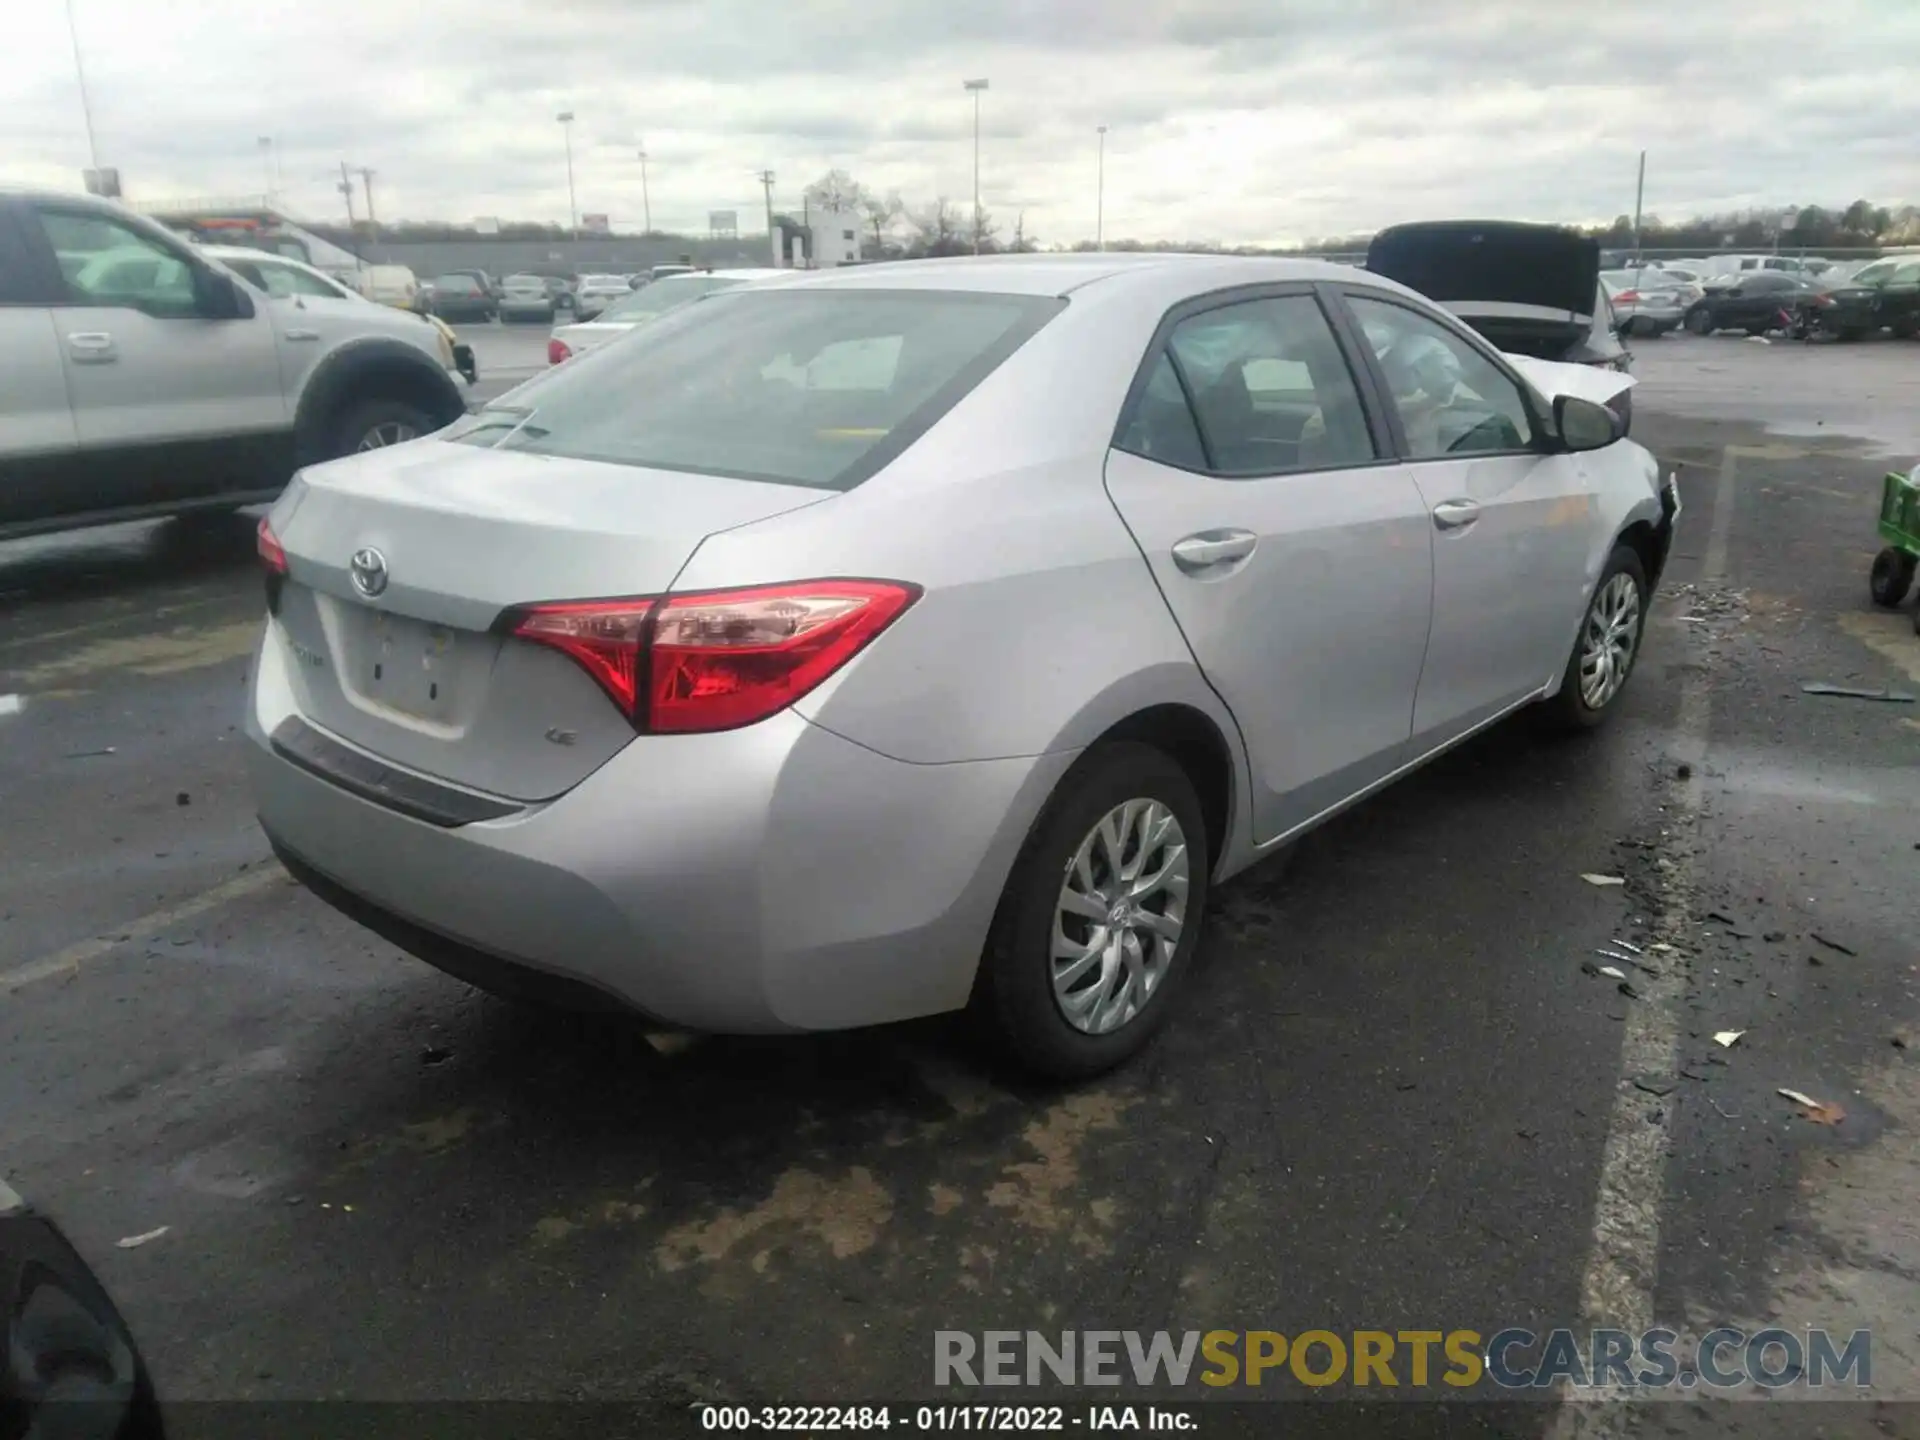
x=808 y=387
x=1270 y=390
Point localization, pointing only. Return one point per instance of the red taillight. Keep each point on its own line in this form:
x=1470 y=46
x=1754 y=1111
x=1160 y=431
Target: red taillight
x=272 y=555
x=557 y=351
x=716 y=661
x=1627 y=297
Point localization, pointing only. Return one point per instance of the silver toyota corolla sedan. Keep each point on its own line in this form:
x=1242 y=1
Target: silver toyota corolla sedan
x=865 y=645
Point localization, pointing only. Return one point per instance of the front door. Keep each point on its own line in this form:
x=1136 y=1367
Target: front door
x=1510 y=522
x=168 y=405
x=1293 y=551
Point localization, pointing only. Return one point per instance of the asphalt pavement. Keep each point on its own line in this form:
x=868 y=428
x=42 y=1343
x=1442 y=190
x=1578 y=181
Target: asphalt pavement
x=1398 y=1098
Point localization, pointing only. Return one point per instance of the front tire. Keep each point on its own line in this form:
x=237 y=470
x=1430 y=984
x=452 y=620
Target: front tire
x=1891 y=578
x=1100 y=917
x=1607 y=646
x=1699 y=322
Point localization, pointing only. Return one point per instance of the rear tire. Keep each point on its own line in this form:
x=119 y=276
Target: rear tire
x=1891 y=578
x=375 y=424
x=1046 y=923
x=1605 y=650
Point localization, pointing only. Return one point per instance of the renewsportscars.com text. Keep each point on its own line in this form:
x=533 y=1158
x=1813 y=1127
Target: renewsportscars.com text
x=1510 y=1359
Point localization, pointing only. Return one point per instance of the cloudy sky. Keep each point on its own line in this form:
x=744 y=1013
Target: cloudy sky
x=1233 y=120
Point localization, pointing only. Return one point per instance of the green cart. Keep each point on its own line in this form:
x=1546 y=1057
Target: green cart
x=1893 y=567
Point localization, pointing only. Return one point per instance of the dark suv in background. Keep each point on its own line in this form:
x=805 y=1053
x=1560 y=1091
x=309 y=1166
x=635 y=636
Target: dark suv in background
x=458 y=296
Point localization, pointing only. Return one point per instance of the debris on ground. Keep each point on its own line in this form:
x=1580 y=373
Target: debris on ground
x=1820 y=939
x=1626 y=989
x=1593 y=879
x=435 y=1055
x=1727 y=1039
x=11 y=704
x=89 y=754
x=1856 y=692
x=1625 y=945
x=1774 y=937
x=1613 y=974
x=669 y=1042
x=1818 y=1111
x=183 y=798
x=1653 y=1084
x=1719 y=919
x=133 y=1241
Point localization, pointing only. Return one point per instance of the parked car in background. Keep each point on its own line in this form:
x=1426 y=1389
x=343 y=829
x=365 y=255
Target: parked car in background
x=480 y=277
x=457 y=296
x=1000 y=755
x=526 y=297
x=648 y=303
x=1755 y=301
x=1741 y=264
x=394 y=285
x=595 y=293
x=284 y=278
x=133 y=392
x=660 y=272
x=1648 y=301
x=1686 y=270
x=1882 y=295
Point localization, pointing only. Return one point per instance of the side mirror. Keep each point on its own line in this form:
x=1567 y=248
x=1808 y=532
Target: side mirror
x=219 y=297
x=1584 y=425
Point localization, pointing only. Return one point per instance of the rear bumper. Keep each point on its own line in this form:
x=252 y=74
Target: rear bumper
x=775 y=878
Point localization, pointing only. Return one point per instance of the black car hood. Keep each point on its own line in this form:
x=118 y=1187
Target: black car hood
x=1470 y=264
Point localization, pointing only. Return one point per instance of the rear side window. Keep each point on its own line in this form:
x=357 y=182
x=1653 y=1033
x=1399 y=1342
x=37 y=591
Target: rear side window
x=818 y=388
x=1270 y=393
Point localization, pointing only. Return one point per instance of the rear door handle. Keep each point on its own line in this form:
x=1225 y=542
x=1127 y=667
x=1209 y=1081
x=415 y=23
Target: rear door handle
x=91 y=347
x=1455 y=514
x=1199 y=553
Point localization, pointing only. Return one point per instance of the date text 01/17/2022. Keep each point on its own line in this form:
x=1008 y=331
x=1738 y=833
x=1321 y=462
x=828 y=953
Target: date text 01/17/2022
x=982 y=1419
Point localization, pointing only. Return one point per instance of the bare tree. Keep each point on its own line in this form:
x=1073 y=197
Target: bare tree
x=940 y=230
x=883 y=211
x=837 y=190
x=1021 y=243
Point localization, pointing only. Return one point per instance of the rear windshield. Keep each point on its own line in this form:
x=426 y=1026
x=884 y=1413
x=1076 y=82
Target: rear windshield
x=818 y=388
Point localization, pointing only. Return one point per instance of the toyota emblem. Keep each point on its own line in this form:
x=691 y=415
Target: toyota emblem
x=369 y=570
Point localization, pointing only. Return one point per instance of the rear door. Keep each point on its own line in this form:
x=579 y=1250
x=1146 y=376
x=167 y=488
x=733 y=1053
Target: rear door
x=1292 y=549
x=168 y=405
x=1511 y=524
x=38 y=442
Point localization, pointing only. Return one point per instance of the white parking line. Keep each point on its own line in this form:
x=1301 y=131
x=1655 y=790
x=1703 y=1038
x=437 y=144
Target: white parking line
x=1616 y=1289
x=69 y=960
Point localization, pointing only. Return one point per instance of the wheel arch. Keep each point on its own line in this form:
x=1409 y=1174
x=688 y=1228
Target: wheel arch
x=375 y=368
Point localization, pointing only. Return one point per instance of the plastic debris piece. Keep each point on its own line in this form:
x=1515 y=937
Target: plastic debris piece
x=132 y=1242
x=1856 y=692
x=1593 y=879
x=1820 y=939
x=1727 y=1039
x=1653 y=1084
x=1819 y=1112
x=90 y=754
x=11 y=704
x=1626 y=945
x=1613 y=974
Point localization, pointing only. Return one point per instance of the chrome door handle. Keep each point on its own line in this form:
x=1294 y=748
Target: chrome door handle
x=301 y=334
x=91 y=347
x=1213 y=547
x=1455 y=514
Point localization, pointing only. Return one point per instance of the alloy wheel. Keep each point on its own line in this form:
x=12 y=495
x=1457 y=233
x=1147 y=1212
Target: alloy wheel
x=387 y=432
x=1608 y=640
x=1120 y=916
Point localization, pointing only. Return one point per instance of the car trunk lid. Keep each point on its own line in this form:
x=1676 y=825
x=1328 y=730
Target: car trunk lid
x=401 y=564
x=1527 y=288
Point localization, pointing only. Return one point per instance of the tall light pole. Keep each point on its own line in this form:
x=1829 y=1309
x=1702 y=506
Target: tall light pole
x=366 y=183
x=1100 y=195
x=646 y=204
x=266 y=164
x=1639 y=193
x=977 y=87
x=565 y=117
x=80 y=73
x=766 y=181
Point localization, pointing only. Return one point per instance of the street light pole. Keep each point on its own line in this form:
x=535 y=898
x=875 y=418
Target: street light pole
x=646 y=204
x=80 y=73
x=1100 y=196
x=1639 y=193
x=977 y=87
x=266 y=164
x=565 y=117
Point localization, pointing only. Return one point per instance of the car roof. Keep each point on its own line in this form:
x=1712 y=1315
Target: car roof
x=1060 y=275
